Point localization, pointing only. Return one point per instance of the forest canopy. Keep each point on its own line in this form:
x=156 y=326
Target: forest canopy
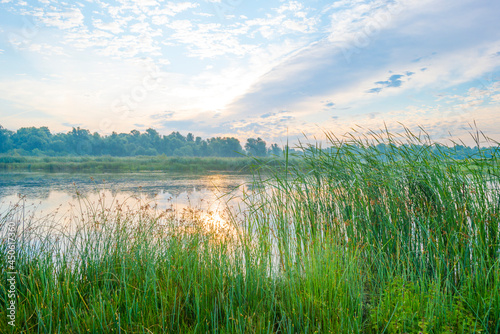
x=33 y=141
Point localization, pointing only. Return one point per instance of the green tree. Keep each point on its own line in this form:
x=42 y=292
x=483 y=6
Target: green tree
x=256 y=147
x=32 y=138
x=275 y=150
x=224 y=147
x=80 y=141
x=5 y=142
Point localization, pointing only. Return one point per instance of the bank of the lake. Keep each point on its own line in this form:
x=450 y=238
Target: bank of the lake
x=92 y=164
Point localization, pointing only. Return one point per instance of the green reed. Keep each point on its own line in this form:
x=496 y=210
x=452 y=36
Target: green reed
x=425 y=227
x=358 y=238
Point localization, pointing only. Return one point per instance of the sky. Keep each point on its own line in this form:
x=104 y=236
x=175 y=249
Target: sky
x=274 y=69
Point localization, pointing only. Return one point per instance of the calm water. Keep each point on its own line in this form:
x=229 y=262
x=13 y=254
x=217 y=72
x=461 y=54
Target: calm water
x=46 y=192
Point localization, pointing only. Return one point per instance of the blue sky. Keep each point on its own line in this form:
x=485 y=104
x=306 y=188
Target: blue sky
x=243 y=68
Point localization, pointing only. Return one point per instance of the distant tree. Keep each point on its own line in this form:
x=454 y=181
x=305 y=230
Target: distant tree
x=79 y=141
x=5 y=142
x=184 y=151
x=203 y=150
x=115 y=145
x=224 y=147
x=256 y=147
x=32 y=138
x=177 y=135
x=97 y=144
x=152 y=139
x=275 y=150
x=58 y=145
x=289 y=149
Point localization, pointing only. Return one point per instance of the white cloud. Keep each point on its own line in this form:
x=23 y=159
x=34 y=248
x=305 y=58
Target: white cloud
x=160 y=20
x=207 y=40
x=172 y=9
x=82 y=90
x=164 y=61
x=63 y=20
x=274 y=26
x=46 y=49
x=143 y=28
x=113 y=27
x=293 y=6
x=203 y=14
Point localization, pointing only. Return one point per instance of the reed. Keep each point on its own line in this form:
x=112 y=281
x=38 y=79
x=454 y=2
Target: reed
x=359 y=238
x=424 y=226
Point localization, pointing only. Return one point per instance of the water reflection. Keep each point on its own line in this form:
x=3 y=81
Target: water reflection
x=71 y=194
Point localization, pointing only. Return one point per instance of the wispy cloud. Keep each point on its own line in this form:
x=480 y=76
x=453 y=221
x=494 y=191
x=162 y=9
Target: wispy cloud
x=66 y=19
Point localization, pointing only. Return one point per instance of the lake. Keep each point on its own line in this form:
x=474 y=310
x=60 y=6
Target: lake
x=46 y=193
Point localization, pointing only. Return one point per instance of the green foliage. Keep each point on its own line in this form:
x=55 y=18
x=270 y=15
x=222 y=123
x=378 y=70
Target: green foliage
x=275 y=150
x=5 y=141
x=408 y=307
x=34 y=141
x=256 y=147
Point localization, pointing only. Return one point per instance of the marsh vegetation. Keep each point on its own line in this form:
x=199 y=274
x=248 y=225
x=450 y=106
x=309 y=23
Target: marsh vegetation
x=360 y=238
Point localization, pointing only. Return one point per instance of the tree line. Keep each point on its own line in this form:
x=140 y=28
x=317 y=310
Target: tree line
x=40 y=141
x=33 y=141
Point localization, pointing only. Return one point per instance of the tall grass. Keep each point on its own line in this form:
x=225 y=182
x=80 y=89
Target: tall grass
x=358 y=239
x=426 y=227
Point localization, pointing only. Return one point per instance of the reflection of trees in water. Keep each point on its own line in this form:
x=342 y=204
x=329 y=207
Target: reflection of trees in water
x=39 y=186
x=37 y=193
x=29 y=192
x=4 y=192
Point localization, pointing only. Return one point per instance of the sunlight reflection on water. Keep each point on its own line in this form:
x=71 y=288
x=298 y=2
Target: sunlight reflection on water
x=68 y=195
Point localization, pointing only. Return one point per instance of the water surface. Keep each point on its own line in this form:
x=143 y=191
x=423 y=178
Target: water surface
x=47 y=192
